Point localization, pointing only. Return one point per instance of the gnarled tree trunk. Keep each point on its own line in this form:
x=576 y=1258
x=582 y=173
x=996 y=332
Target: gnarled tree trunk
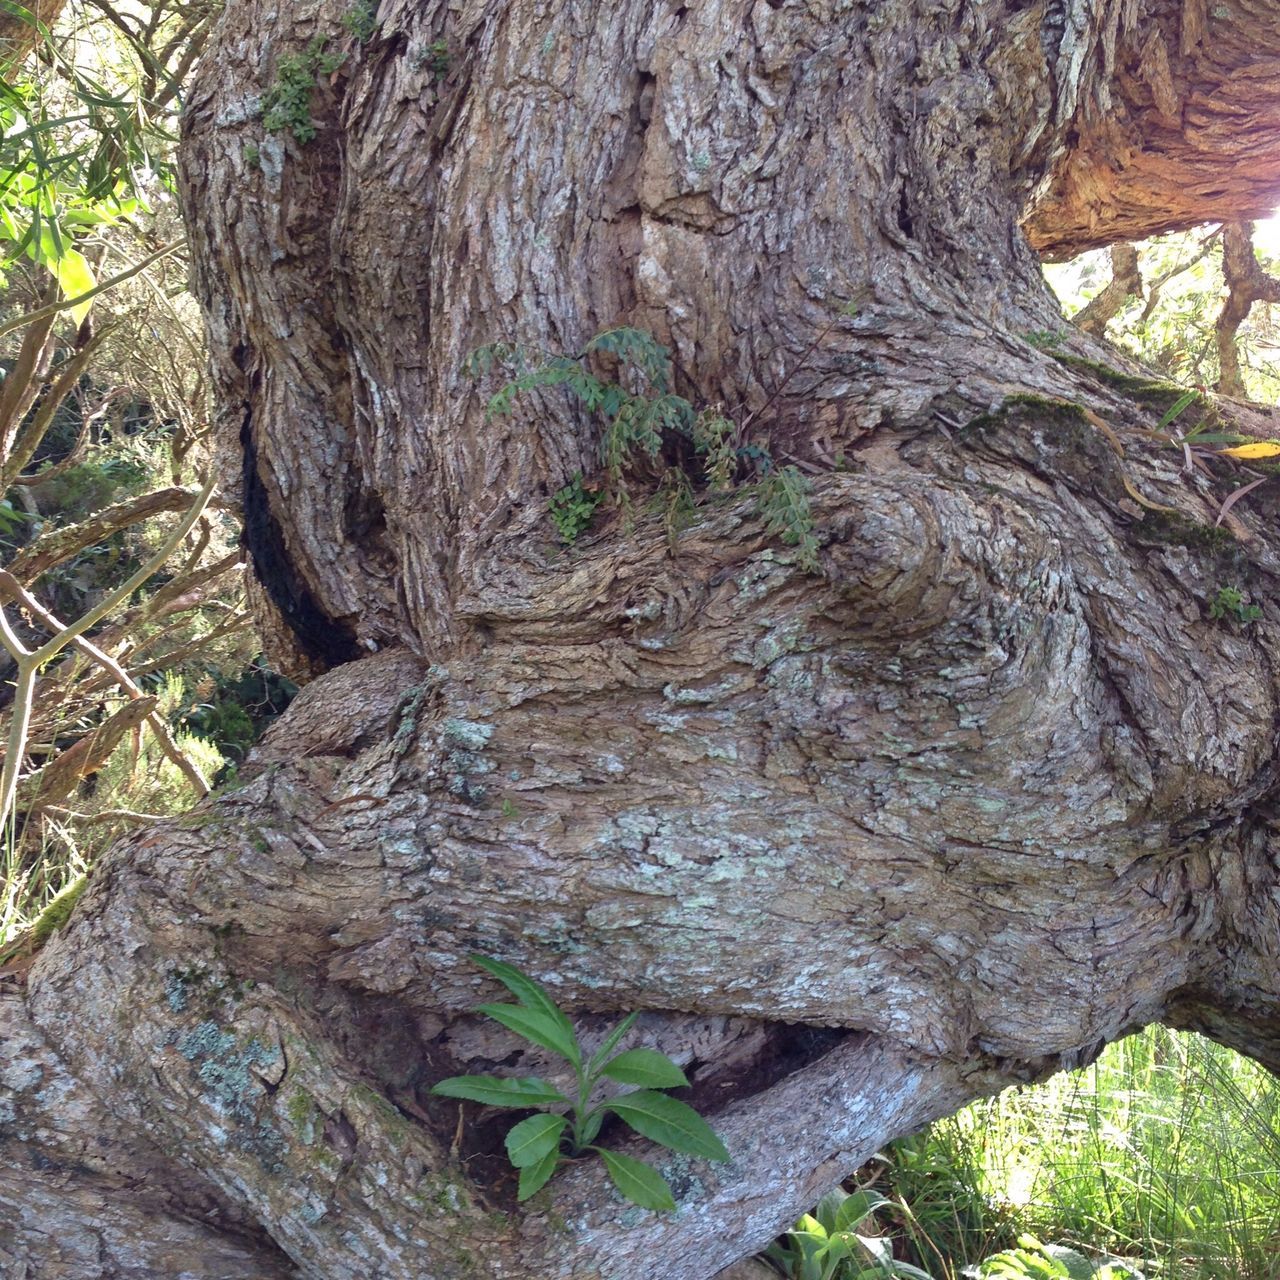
x=991 y=788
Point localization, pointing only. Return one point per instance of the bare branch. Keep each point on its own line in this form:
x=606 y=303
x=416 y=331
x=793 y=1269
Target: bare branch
x=154 y=720
x=1126 y=283
x=1247 y=283
x=59 y=545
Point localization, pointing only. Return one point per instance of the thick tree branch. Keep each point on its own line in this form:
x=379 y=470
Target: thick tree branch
x=1125 y=283
x=1247 y=283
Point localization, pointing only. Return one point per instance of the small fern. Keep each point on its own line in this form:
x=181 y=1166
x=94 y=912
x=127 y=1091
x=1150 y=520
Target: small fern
x=716 y=438
x=784 y=503
x=638 y=424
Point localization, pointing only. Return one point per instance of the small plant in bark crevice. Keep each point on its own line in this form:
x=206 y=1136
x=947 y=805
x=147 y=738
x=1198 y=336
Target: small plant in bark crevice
x=287 y=102
x=566 y=1127
x=639 y=423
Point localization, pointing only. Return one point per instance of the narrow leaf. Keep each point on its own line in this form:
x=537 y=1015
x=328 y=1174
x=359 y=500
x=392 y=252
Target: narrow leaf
x=669 y=1122
x=611 y=1042
x=638 y=1182
x=647 y=1068
x=591 y=1126
x=1232 y=498
x=535 y=1176
x=534 y=1025
x=530 y=994
x=533 y=1139
x=1187 y=397
x=500 y=1091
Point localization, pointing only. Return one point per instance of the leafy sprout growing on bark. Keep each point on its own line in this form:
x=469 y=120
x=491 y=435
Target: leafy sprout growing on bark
x=565 y=1127
x=361 y=20
x=834 y=1243
x=573 y=507
x=640 y=422
x=287 y=102
x=1232 y=604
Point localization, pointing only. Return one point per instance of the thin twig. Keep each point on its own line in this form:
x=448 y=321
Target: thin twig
x=67 y=303
x=155 y=721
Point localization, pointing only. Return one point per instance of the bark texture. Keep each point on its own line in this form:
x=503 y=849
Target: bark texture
x=989 y=789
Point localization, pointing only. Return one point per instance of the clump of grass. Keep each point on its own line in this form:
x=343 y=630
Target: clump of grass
x=1166 y=1151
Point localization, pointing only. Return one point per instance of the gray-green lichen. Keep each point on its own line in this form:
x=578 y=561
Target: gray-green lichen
x=469 y=735
x=225 y=1066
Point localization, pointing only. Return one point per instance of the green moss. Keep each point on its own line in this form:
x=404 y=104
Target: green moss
x=1162 y=526
x=302 y=1112
x=56 y=914
x=1062 y=414
x=1212 y=542
x=1150 y=391
x=396 y=1128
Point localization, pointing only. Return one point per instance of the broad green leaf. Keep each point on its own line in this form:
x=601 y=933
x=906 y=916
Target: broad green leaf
x=534 y=1025
x=647 y=1068
x=856 y=1207
x=75 y=277
x=669 y=1122
x=534 y=1177
x=837 y=1249
x=530 y=994
x=533 y=1139
x=500 y=1091
x=638 y=1182
x=829 y=1206
x=611 y=1042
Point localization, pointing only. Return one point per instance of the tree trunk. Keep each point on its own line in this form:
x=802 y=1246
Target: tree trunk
x=991 y=788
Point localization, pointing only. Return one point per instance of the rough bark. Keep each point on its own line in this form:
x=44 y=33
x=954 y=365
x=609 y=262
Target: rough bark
x=988 y=790
x=20 y=32
x=1246 y=283
x=1125 y=283
x=1178 y=129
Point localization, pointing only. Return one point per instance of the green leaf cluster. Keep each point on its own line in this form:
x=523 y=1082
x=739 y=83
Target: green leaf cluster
x=1231 y=604
x=833 y=1243
x=361 y=20
x=287 y=102
x=567 y=1127
x=1032 y=1260
x=784 y=503
x=573 y=507
x=638 y=423
x=47 y=200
